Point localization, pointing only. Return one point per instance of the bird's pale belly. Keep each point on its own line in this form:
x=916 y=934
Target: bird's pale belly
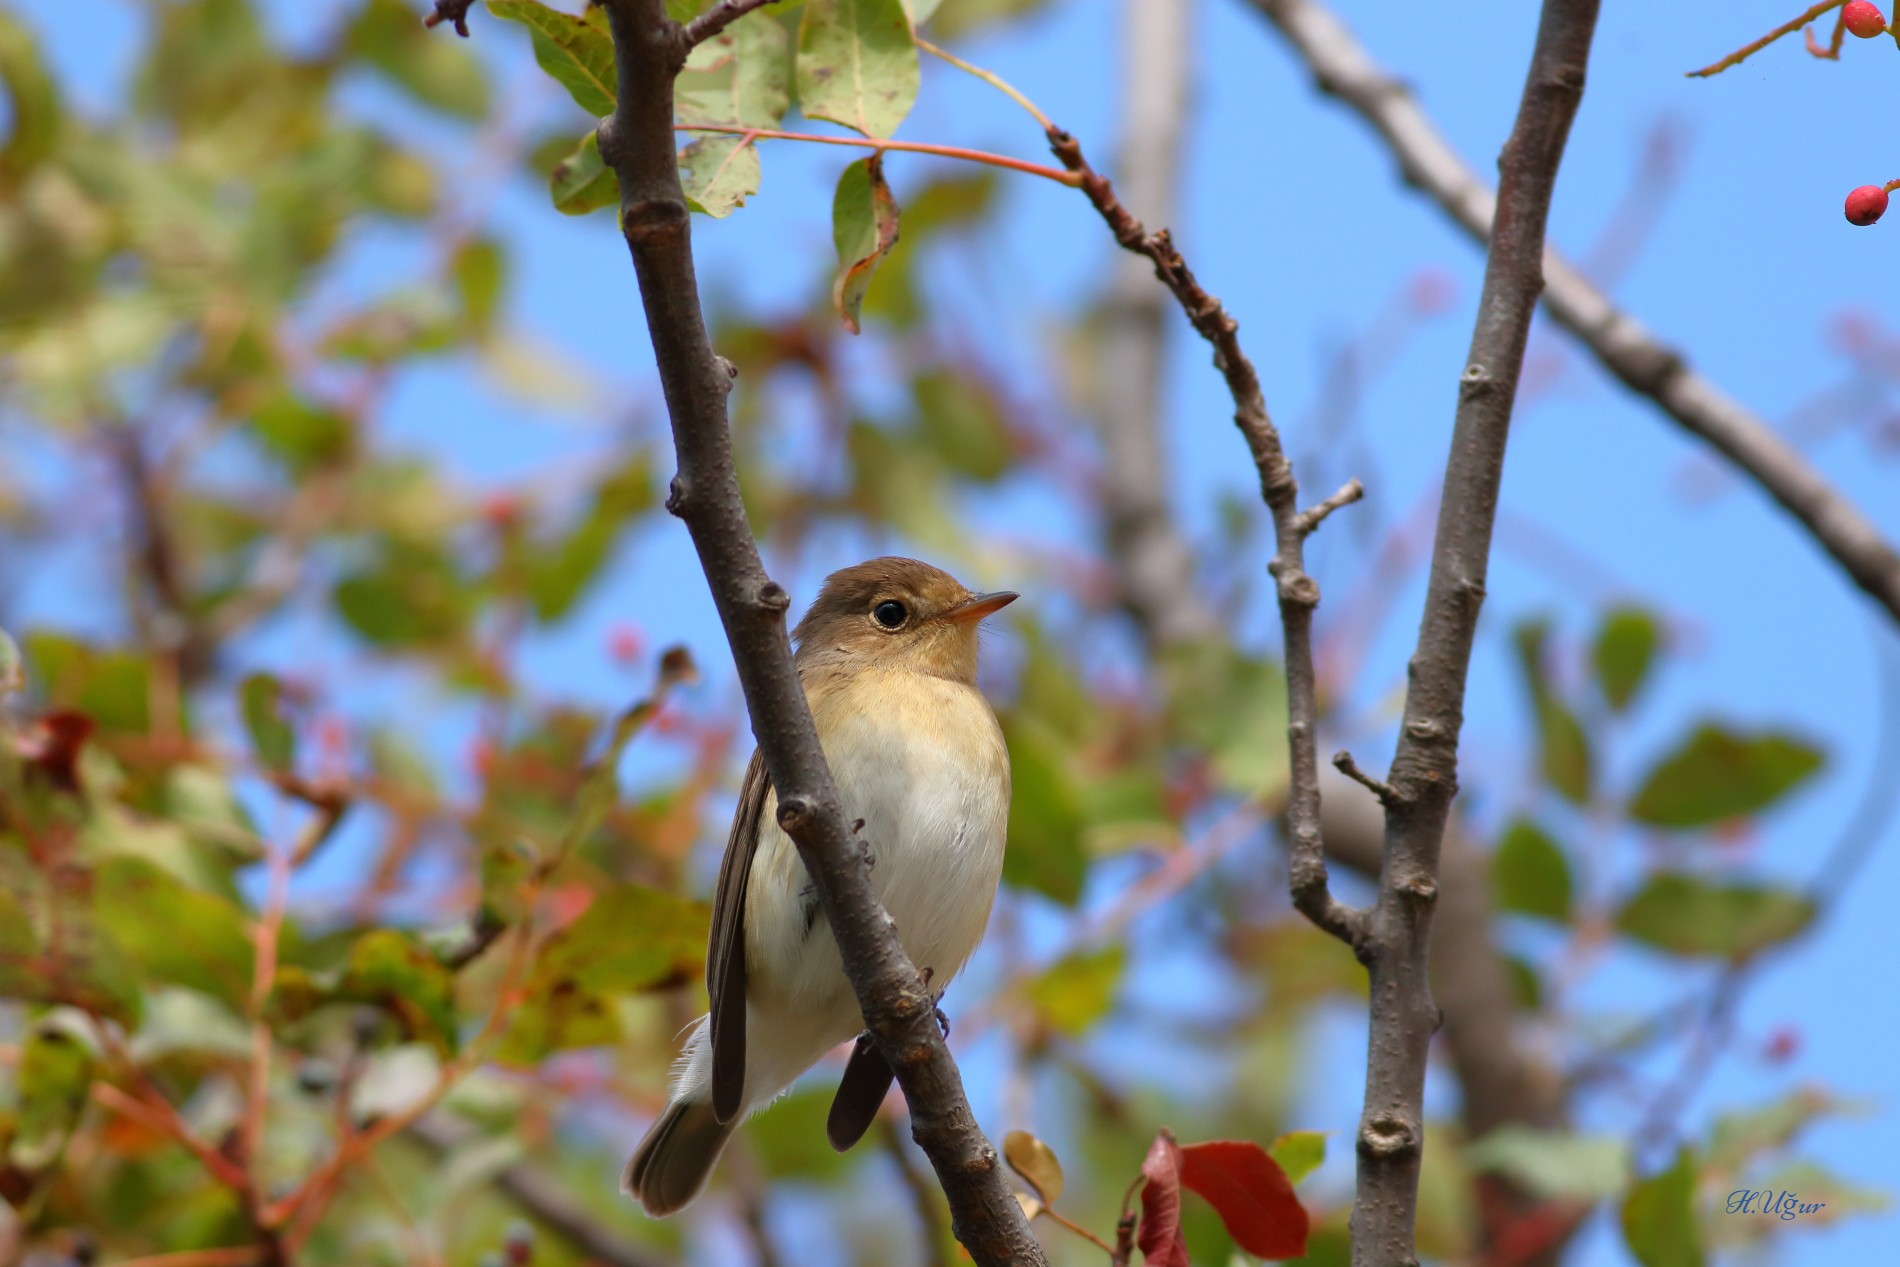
x=930 y=780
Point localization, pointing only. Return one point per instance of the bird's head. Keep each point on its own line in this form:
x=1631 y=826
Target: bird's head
x=896 y=613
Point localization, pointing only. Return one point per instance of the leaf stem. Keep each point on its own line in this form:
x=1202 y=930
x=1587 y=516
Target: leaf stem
x=1786 y=28
x=1077 y=1228
x=993 y=79
x=907 y=147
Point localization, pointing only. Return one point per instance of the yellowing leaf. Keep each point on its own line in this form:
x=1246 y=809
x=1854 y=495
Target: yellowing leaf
x=864 y=227
x=719 y=173
x=857 y=64
x=740 y=76
x=1036 y=1162
x=1078 y=989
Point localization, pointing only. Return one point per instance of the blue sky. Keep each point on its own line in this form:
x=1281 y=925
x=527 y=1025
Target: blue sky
x=1293 y=216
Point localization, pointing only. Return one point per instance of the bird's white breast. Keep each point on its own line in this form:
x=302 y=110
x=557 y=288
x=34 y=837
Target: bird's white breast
x=921 y=760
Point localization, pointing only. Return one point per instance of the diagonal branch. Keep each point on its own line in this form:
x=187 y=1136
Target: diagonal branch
x=1620 y=343
x=1298 y=592
x=1424 y=773
x=637 y=142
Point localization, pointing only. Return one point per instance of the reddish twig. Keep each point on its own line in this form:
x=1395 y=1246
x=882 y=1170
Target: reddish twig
x=905 y=147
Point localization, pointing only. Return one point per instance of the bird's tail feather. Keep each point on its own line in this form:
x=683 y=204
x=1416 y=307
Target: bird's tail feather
x=671 y=1164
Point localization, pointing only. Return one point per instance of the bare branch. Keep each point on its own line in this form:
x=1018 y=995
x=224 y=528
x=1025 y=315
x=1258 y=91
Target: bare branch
x=719 y=17
x=1424 y=774
x=1152 y=561
x=637 y=142
x=1298 y=592
x=551 y=1206
x=1620 y=343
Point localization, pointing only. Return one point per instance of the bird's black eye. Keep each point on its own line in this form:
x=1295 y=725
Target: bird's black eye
x=890 y=613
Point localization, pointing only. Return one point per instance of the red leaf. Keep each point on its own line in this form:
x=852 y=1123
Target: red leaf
x=1160 y=1233
x=52 y=747
x=1251 y=1194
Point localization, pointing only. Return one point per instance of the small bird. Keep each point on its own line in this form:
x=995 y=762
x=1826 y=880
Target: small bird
x=887 y=657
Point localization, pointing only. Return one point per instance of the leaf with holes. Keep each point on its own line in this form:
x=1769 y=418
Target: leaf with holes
x=1036 y=1162
x=1251 y=1193
x=719 y=173
x=576 y=52
x=864 y=227
x=1159 y=1234
x=742 y=76
x=857 y=64
x=582 y=182
x=1719 y=773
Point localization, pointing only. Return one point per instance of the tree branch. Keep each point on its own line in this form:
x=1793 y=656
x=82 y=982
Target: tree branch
x=552 y=1207
x=1424 y=774
x=637 y=142
x=719 y=17
x=1152 y=561
x=1620 y=343
x=1298 y=593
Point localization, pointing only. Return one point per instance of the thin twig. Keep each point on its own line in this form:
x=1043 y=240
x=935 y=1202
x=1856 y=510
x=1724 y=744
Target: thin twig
x=1755 y=46
x=879 y=145
x=637 y=143
x=719 y=17
x=1343 y=69
x=530 y=1188
x=1298 y=592
x=1343 y=762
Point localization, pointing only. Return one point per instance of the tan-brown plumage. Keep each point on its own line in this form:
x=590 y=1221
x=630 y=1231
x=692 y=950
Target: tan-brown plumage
x=887 y=656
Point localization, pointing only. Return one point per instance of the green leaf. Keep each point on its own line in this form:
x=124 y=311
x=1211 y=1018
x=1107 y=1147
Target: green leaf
x=12 y=667
x=479 y=270
x=1530 y=874
x=111 y=687
x=857 y=64
x=1625 y=650
x=962 y=422
x=719 y=173
x=864 y=227
x=33 y=110
x=577 y=52
x=172 y=933
x=1299 y=1153
x=1045 y=818
x=1232 y=706
x=411 y=596
x=1719 y=773
x=559 y=574
x=389 y=970
x=1686 y=915
x=1564 y=748
x=629 y=939
x=272 y=737
x=304 y=436
x=436 y=71
x=1557 y=1164
x=582 y=182
x=790 y=1140
x=1740 y=1137
x=54 y=1076
x=742 y=76
x=1078 y=989
x=1659 y=1217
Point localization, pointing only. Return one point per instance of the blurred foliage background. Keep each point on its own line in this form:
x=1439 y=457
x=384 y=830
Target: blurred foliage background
x=359 y=817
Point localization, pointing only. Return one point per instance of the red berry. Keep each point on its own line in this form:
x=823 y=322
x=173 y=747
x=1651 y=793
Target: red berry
x=1863 y=19
x=1866 y=204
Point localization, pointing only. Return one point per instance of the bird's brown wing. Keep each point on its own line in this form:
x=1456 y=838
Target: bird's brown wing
x=725 y=954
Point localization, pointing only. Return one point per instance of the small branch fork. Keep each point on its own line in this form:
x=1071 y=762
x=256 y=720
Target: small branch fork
x=637 y=142
x=1298 y=592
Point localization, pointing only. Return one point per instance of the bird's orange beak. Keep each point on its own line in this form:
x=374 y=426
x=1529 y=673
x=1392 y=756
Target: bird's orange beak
x=979 y=606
